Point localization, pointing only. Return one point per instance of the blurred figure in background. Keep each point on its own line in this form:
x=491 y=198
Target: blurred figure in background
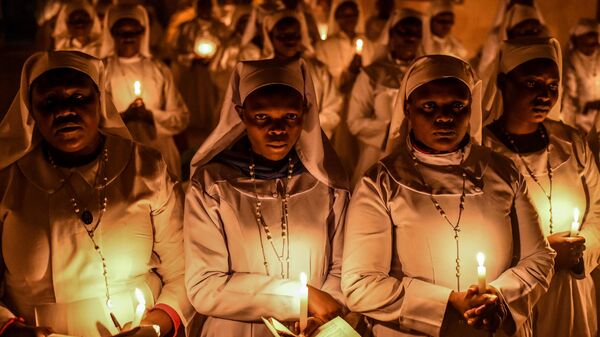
x=437 y=31
x=78 y=28
x=375 y=24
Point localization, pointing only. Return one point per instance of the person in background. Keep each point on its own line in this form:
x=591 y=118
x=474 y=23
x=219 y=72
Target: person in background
x=437 y=31
x=78 y=28
x=375 y=90
x=267 y=202
x=87 y=215
x=156 y=112
x=581 y=100
x=561 y=175
x=376 y=23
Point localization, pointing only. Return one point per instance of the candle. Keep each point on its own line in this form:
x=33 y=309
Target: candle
x=139 y=310
x=303 y=294
x=359 y=46
x=205 y=48
x=575 y=224
x=323 y=31
x=137 y=89
x=481 y=272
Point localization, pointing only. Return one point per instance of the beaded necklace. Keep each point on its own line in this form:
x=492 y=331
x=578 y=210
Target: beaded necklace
x=548 y=194
x=284 y=256
x=455 y=227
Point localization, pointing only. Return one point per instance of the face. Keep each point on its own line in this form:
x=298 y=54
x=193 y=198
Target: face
x=442 y=23
x=587 y=43
x=79 y=24
x=531 y=90
x=346 y=16
x=405 y=38
x=438 y=113
x=65 y=106
x=527 y=28
x=286 y=38
x=204 y=9
x=273 y=121
x=127 y=34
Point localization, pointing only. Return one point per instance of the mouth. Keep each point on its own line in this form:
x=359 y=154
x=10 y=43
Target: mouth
x=68 y=128
x=277 y=145
x=444 y=133
x=541 y=109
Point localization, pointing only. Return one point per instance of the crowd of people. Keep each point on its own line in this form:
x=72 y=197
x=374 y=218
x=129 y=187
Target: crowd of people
x=177 y=180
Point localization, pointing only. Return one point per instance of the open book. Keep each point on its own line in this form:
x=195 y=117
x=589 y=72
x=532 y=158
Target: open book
x=337 y=327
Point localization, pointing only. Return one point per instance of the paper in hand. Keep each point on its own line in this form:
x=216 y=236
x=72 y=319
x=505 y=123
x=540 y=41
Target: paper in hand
x=337 y=327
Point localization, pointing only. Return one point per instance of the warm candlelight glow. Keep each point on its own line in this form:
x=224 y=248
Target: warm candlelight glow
x=137 y=88
x=575 y=224
x=205 y=48
x=481 y=272
x=303 y=294
x=139 y=310
x=359 y=46
x=323 y=31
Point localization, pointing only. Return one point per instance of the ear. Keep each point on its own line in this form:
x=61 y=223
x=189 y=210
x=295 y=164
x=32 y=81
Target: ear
x=240 y=111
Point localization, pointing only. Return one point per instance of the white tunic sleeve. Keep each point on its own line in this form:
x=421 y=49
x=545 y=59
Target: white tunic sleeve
x=570 y=99
x=362 y=120
x=213 y=287
x=175 y=117
x=330 y=100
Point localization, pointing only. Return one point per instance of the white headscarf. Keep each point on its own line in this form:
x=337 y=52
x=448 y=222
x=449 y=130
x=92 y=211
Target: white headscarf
x=269 y=23
x=513 y=53
x=334 y=28
x=583 y=26
x=424 y=70
x=502 y=13
x=437 y=7
x=118 y=12
x=313 y=148
x=517 y=14
x=61 y=30
x=397 y=16
x=18 y=134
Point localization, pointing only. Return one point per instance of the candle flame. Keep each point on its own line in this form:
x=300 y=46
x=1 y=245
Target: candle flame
x=205 y=48
x=359 y=45
x=480 y=259
x=303 y=279
x=139 y=296
x=576 y=214
x=137 y=88
x=323 y=31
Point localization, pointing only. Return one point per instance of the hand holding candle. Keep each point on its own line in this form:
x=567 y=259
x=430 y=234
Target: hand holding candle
x=303 y=296
x=140 y=309
x=359 y=46
x=481 y=272
x=575 y=224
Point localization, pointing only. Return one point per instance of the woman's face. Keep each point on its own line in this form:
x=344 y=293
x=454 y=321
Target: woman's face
x=286 y=38
x=441 y=24
x=346 y=16
x=405 y=38
x=273 y=118
x=79 y=24
x=587 y=43
x=527 y=28
x=127 y=34
x=530 y=90
x=439 y=113
x=65 y=105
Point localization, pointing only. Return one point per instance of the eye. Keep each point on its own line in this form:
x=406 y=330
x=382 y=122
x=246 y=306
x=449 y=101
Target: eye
x=553 y=87
x=260 y=117
x=530 y=84
x=429 y=106
x=458 y=106
x=292 y=116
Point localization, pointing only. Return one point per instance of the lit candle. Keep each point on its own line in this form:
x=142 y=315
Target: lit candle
x=205 y=48
x=575 y=224
x=481 y=272
x=137 y=89
x=323 y=31
x=303 y=294
x=359 y=46
x=139 y=310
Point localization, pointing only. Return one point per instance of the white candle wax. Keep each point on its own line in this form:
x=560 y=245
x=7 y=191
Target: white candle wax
x=137 y=89
x=303 y=295
x=359 y=46
x=139 y=310
x=323 y=31
x=575 y=224
x=481 y=272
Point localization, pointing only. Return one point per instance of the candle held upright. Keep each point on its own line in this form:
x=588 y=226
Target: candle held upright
x=303 y=295
x=575 y=225
x=137 y=89
x=481 y=272
x=359 y=46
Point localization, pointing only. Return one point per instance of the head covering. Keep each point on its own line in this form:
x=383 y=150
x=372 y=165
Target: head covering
x=18 y=134
x=118 y=12
x=517 y=14
x=441 y=6
x=397 y=16
x=254 y=21
x=424 y=70
x=583 y=26
x=334 y=28
x=313 y=148
x=61 y=31
x=269 y=23
x=513 y=53
x=437 y=7
x=501 y=13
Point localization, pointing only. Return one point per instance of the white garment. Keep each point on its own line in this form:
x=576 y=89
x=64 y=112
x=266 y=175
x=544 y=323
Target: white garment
x=399 y=252
x=160 y=96
x=582 y=85
x=62 y=37
x=569 y=308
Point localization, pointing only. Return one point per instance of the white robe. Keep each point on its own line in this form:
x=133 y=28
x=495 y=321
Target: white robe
x=161 y=97
x=225 y=275
x=399 y=253
x=575 y=179
x=449 y=45
x=582 y=85
x=49 y=264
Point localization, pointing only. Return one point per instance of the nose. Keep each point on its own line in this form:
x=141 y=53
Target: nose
x=544 y=95
x=278 y=127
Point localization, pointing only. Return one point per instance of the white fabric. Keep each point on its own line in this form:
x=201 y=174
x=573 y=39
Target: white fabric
x=432 y=44
x=512 y=54
x=18 y=132
x=585 y=26
x=118 y=12
x=62 y=37
x=269 y=23
x=425 y=70
x=333 y=28
x=397 y=16
x=313 y=148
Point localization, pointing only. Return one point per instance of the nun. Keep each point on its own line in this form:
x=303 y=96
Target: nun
x=422 y=217
x=78 y=28
x=437 y=31
x=267 y=202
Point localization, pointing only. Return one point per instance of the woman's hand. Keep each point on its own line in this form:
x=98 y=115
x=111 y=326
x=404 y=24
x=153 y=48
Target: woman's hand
x=322 y=306
x=312 y=325
x=569 y=250
x=464 y=301
x=489 y=316
x=355 y=65
x=137 y=112
x=140 y=331
x=18 y=329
